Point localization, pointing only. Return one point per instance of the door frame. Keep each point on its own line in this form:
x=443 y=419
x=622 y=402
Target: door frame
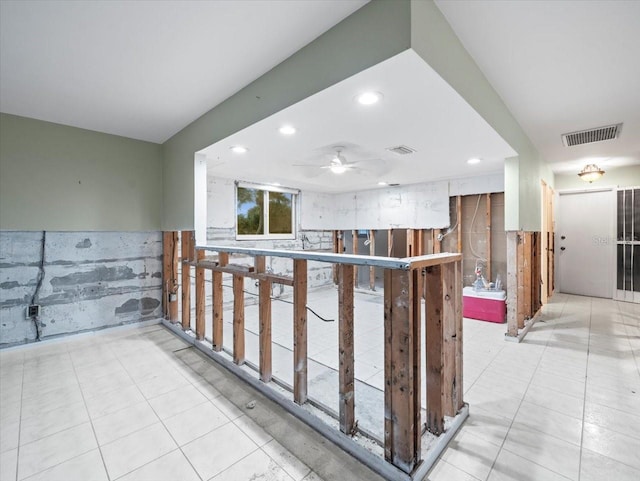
x=611 y=238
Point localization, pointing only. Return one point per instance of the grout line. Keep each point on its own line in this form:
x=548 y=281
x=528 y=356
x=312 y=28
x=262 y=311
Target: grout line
x=104 y=465
x=525 y=395
x=20 y=419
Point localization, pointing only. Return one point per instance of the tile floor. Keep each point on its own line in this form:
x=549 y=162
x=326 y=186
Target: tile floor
x=139 y=404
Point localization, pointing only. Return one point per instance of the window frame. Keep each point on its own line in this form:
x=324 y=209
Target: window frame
x=266 y=189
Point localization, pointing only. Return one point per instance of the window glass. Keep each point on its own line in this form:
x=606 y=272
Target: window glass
x=250 y=211
x=280 y=213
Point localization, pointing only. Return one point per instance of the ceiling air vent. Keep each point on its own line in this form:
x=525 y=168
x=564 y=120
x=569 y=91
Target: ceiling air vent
x=589 y=136
x=401 y=150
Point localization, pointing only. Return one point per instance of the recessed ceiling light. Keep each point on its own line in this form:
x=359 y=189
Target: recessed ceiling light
x=369 y=98
x=473 y=160
x=287 y=130
x=382 y=183
x=239 y=149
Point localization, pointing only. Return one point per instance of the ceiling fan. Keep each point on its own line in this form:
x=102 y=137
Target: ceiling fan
x=337 y=165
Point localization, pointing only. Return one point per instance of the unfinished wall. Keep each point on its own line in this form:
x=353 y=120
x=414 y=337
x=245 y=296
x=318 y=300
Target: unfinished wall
x=91 y=280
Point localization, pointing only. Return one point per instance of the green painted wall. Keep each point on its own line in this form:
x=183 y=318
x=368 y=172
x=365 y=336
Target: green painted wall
x=376 y=32
x=435 y=41
x=619 y=177
x=54 y=177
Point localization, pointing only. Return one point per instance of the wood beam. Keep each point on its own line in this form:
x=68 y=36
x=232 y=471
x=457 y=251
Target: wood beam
x=372 y=252
x=521 y=280
x=345 y=340
x=216 y=281
x=488 y=220
x=185 y=239
x=434 y=349
x=458 y=384
x=354 y=251
x=264 y=319
x=449 y=337
x=437 y=245
x=401 y=357
x=300 y=331
x=170 y=275
x=512 y=284
x=459 y=221
x=334 y=268
x=238 y=320
x=200 y=297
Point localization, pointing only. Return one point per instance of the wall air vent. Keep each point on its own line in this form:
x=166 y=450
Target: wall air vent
x=589 y=136
x=401 y=150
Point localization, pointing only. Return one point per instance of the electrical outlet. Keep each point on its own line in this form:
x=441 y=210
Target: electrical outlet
x=173 y=297
x=33 y=311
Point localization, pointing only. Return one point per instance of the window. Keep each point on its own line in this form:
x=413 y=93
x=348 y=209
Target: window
x=264 y=212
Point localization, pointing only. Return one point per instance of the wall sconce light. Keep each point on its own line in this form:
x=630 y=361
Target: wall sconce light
x=591 y=173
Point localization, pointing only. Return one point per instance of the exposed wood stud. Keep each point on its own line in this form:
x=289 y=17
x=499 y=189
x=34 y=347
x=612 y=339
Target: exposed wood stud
x=512 y=284
x=417 y=280
x=264 y=319
x=521 y=280
x=488 y=220
x=459 y=221
x=238 y=319
x=185 y=239
x=354 y=250
x=449 y=337
x=458 y=385
x=437 y=244
x=389 y=242
x=217 y=328
x=434 y=350
x=372 y=252
x=402 y=351
x=300 y=331
x=200 y=297
x=334 y=268
x=345 y=340
x=170 y=275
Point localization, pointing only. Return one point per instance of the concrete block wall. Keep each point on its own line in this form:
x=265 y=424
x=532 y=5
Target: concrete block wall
x=91 y=280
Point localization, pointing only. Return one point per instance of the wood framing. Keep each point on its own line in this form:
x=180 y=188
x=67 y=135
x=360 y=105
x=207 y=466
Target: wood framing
x=170 y=284
x=488 y=240
x=217 y=304
x=437 y=244
x=372 y=252
x=458 y=384
x=187 y=256
x=404 y=280
x=264 y=320
x=300 y=331
x=402 y=431
x=459 y=222
x=434 y=349
x=346 y=389
x=448 y=272
x=200 y=297
x=354 y=251
x=238 y=319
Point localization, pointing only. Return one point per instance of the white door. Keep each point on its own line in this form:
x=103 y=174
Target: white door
x=584 y=244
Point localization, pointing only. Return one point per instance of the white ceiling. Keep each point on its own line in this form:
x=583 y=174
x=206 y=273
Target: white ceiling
x=146 y=69
x=419 y=110
x=560 y=66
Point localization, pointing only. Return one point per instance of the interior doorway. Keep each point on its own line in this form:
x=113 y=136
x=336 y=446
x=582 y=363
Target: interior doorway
x=584 y=243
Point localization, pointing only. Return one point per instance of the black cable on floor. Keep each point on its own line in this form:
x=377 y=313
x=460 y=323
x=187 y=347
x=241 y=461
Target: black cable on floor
x=34 y=298
x=285 y=301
